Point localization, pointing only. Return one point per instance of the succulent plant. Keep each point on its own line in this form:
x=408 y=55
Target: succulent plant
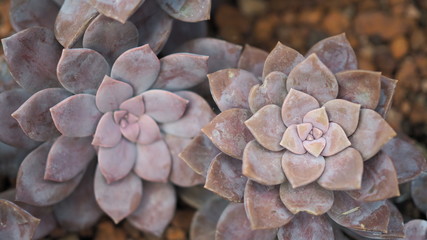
x=307 y=139
x=15 y=222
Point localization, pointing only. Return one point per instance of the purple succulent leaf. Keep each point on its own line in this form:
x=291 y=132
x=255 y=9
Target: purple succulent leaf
x=360 y=86
x=111 y=93
x=315 y=228
x=153 y=24
x=199 y=153
x=336 y=53
x=78 y=79
x=296 y=105
x=281 y=59
x=234 y=224
x=130 y=130
x=264 y=208
x=31 y=188
x=302 y=169
x=107 y=132
x=34 y=117
x=134 y=105
x=68 y=157
x=164 y=106
x=229 y=133
x=379 y=181
x=10 y=131
x=252 y=60
x=196 y=196
x=196 y=116
x=203 y=225
x=79 y=108
x=109 y=37
x=156 y=209
x=138 y=66
x=225 y=178
x=318 y=118
x=153 y=162
x=181 y=174
x=267 y=127
x=149 y=130
x=6 y=80
x=181 y=71
x=336 y=140
x=59 y=2
x=32 y=13
x=183 y=32
x=116 y=163
x=345 y=113
x=221 y=54
x=343 y=171
x=408 y=160
x=271 y=91
x=32 y=56
x=262 y=165
x=416 y=230
x=118 y=199
x=364 y=216
x=119 y=10
x=418 y=191
x=72 y=20
x=189 y=11
x=371 y=133
x=79 y=210
x=16 y=223
x=292 y=141
x=230 y=88
x=311 y=76
x=388 y=86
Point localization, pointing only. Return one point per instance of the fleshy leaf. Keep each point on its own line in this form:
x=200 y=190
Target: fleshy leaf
x=359 y=86
x=16 y=223
x=149 y=130
x=118 y=199
x=72 y=20
x=267 y=127
x=78 y=79
x=336 y=53
x=296 y=105
x=416 y=229
x=264 y=208
x=164 y=106
x=199 y=153
x=388 y=86
x=313 y=77
x=318 y=118
x=314 y=228
x=107 y=132
x=371 y=134
x=282 y=59
x=225 y=178
x=37 y=70
x=234 y=224
x=315 y=147
x=418 y=191
x=344 y=113
x=109 y=37
x=302 y=169
x=10 y=131
x=32 y=13
x=379 y=180
x=130 y=128
x=138 y=66
x=197 y=115
x=119 y=10
x=115 y=163
x=343 y=171
x=134 y=105
x=291 y=140
x=203 y=225
x=181 y=71
x=271 y=91
x=153 y=162
x=156 y=209
x=67 y=158
x=76 y=116
x=34 y=117
x=31 y=188
x=190 y=11
x=181 y=174
x=230 y=88
x=196 y=196
x=252 y=60
x=228 y=131
x=262 y=165
x=336 y=140
x=111 y=93
x=369 y=216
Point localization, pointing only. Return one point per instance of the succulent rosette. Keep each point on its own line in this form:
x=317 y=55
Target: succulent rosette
x=302 y=139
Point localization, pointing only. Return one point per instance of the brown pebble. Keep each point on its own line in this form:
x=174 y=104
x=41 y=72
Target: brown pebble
x=335 y=22
x=183 y=218
x=407 y=75
x=131 y=231
x=175 y=233
x=108 y=231
x=310 y=16
x=399 y=47
x=378 y=23
x=264 y=28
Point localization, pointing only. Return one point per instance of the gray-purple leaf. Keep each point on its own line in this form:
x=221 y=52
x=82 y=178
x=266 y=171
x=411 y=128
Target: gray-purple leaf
x=153 y=162
x=119 y=10
x=188 y=10
x=388 y=86
x=32 y=13
x=418 y=191
x=16 y=223
x=252 y=60
x=305 y=226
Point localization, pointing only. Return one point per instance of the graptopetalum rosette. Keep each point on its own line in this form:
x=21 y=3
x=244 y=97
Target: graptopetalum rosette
x=134 y=112
x=306 y=142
